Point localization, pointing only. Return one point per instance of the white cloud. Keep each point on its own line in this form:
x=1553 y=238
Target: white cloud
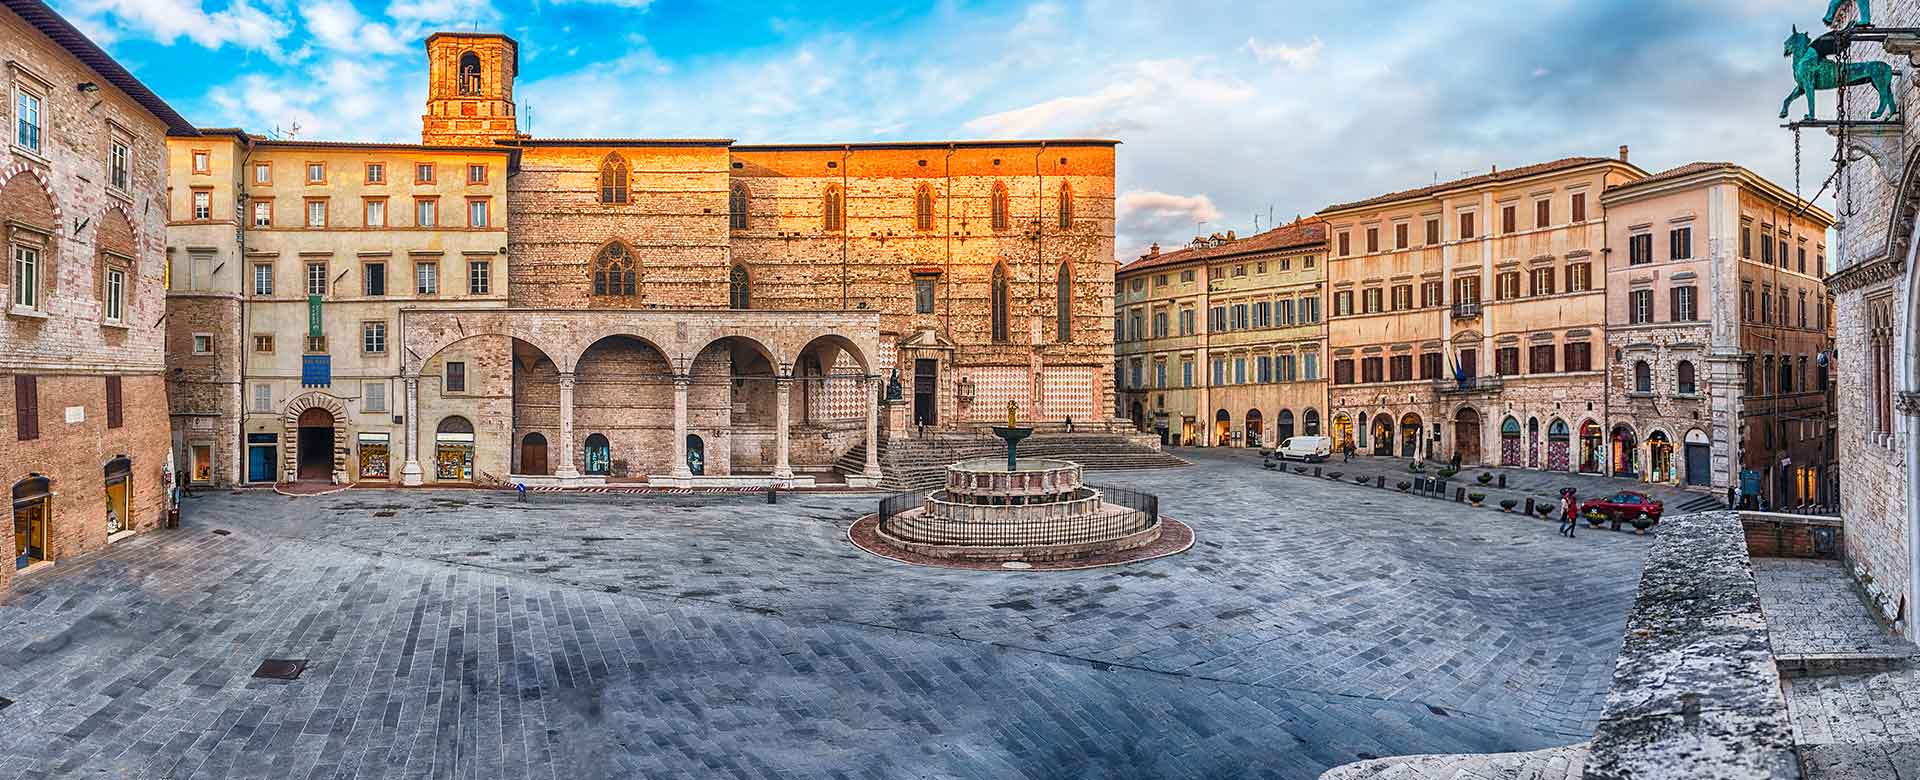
x=1142 y=217
x=339 y=26
x=1296 y=57
x=1149 y=94
x=242 y=24
x=637 y=5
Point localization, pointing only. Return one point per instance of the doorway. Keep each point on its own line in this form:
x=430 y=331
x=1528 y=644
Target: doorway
x=32 y=502
x=1383 y=434
x=1699 y=459
x=119 y=480
x=1410 y=430
x=1254 y=429
x=926 y=391
x=261 y=452
x=316 y=444
x=1466 y=435
x=533 y=454
x=599 y=455
x=696 y=455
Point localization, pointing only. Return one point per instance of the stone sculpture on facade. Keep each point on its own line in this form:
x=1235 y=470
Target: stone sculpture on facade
x=1814 y=69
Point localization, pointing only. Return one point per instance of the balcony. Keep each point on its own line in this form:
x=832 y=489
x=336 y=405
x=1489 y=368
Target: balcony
x=1466 y=311
x=1470 y=384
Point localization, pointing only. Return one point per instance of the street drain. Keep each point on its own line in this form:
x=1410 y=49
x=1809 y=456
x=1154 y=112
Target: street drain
x=221 y=532
x=383 y=513
x=281 y=669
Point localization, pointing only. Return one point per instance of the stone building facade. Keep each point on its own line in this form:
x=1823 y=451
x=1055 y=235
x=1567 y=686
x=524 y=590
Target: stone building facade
x=1222 y=342
x=1469 y=317
x=1720 y=328
x=85 y=445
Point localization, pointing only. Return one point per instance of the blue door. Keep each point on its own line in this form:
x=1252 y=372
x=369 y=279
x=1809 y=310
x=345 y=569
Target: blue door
x=260 y=452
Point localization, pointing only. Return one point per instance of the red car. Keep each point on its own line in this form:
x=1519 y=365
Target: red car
x=1623 y=506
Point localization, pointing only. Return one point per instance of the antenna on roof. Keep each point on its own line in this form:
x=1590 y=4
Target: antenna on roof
x=1256 y=222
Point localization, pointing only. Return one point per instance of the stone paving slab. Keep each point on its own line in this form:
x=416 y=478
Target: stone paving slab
x=1813 y=607
x=1561 y=763
x=463 y=634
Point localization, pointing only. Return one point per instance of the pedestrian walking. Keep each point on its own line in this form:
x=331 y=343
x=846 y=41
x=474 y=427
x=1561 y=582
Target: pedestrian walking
x=1346 y=451
x=1569 y=512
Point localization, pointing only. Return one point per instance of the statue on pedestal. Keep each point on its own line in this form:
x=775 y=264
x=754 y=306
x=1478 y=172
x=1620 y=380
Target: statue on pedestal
x=1814 y=69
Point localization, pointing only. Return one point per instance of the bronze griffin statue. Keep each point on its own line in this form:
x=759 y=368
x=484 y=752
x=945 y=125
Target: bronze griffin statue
x=1866 y=12
x=1814 y=69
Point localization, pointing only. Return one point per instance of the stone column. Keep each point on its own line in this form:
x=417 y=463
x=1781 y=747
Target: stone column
x=566 y=471
x=680 y=385
x=410 y=474
x=873 y=386
x=782 y=420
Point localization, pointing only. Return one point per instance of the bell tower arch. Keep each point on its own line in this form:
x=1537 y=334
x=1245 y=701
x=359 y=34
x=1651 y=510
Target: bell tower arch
x=469 y=89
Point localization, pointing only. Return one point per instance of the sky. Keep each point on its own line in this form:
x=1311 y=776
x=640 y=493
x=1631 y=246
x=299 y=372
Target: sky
x=1228 y=112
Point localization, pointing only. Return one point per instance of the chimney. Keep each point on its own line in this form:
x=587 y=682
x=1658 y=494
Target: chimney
x=1154 y=251
x=1229 y=235
x=1495 y=168
x=1623 y=152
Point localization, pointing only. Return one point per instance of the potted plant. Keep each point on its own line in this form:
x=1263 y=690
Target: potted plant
x=1446 y=472
x=1335 y=474
x=1544 y=509
x=1595 y=517
x=1299 y=469
x=1485 y=477
x=1641 y=522
x=1416 y=467
x=1404 y=486
x=1360 y=480
x=1476 y=498
x=1507 y=504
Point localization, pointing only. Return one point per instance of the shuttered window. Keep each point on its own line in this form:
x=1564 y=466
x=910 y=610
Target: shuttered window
x=113 y=402
x=26 y=404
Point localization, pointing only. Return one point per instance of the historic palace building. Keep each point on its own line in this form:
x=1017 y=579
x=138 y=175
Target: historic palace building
x=486 y=305
x=1720 y=332
x=1221 y=343
x=83 y=183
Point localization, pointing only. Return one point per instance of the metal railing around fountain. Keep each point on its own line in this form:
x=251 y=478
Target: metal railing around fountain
x=1126 y=512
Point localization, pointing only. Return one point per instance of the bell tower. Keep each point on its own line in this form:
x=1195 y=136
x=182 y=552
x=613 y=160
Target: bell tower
x=469 y=89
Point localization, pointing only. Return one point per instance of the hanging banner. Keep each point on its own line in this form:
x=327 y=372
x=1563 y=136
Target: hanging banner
x=313 y=316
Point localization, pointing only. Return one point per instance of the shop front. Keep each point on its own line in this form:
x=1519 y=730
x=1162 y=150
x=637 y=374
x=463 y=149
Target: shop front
x=453 y=450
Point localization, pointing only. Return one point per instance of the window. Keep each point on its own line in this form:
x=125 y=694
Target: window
x=1429 y=365
x=1506 y=361
x=1239 y=318
x=1803 y=308
x=923 y=208
x=1540 y=359
x=1746 y=303
x=1370 y=370
x=263 y=398
x=1579 y=356
x=202 y=343
x=426 y=278
x=739 y=293
x=1640 y=249
x=373 y=396
x=316 y=173
x=737 y=206
x=1642 y=377
x=1579 y=277
x=1239 y=270
x=374 y=278
x=263 y=342
x=1219 y=372
x=1432 y=294
x=376 y=212
x=1680 y=244
x=476 y=173
x=923 y=294
x=614 y=271
x=1466 y=225
x=613 y=179
x=1063 y=305
x=477 y=212
x=316 y=344
x=1683 y=374
x=316 y=213
x=1217 y=319
x=1466 y=289
x=1370 y=300
x=1343 y=371
x=202 y=161
x=1001 y=308
x=832 y=210
x=1766 y=248
x=1400 y=368
x=1159 y=373
x=1783 y=251
x=1508 y=220
x=1239 y=371
x=1433 y=231
x=479 y=277
x=115 y=294
x=1283 y=311
x=27 y=119
x=1400 y=236
x=1746 y=241
x=1540 y=280
x=1346 y=249
x=1685 y=307
x=316 y=278
x=262 y=279
x=1507 y=285
x=1640 y=307
x=373 y=338
x=1801 y=259
x=426 y=212
x=120 y=166
x=456 y=381
x=1186 y=373
x=26 y=407
x=1766 y=306
x=1310 y=310
x=262 y=173
x=423 y=173
x=263 y=213
x=376 y=173
x=999 y=211
x=1542 y=213
x=1402 y=296
x=202 y=205
x=1373 y=240
x=1343 y=303
x=1066 y=206
x=1186 y=322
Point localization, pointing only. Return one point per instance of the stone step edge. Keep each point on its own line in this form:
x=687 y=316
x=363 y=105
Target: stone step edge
x=1798 y=665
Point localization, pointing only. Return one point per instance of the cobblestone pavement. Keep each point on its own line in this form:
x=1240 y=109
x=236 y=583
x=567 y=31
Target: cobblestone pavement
x=1813 y=607
x=1561 y=763
x=462 y=634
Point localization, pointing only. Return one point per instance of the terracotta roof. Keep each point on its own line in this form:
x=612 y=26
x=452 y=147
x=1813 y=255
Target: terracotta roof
x=63 y=33
x=1299 y=234
x=974 y=144
x=532 y=141
x=1675 y=173
x=296 y=143
x=1474 y=181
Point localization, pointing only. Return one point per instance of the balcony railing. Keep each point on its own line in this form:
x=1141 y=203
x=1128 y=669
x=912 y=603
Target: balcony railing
x=1466 y=311
x=1470 y=384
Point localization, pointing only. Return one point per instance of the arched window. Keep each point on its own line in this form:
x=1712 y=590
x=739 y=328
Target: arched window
x=1000 y=308
x=1066 y=206
x=923 y=208
x=999 y=206
x=1311 y=422
x=737 y=206
x=737 y=295
x=613 y=271
x=1684 y=373
x=833 y=209
x=1786 y=374
x=613 y=179
x=1642 y=377
x=1063 y=305
x=469 y=74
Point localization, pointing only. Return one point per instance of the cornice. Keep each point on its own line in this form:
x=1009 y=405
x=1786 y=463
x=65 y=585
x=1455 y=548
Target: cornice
x=1871 y=272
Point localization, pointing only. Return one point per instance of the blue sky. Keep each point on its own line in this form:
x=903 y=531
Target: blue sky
x=1226 y=109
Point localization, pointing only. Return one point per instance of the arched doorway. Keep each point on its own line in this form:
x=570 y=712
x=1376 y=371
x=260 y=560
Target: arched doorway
x=599 y=456
x=1559 y=443
x=1311 y=426
x=533 y=454
x=1222 y=428
x=1138 y=414
x=1510 y=442
x=1410 y=438
x=1383 y=434
x=1342 y=429
x=118 y=475
x=1466 y=434
x=316 y=444
x=1360 y=432
x=1659 y=457
x=1592 y=447
x=1625 y=453
x=1283 y=427
x=1253 y=428
x=1699 y=458
x=1533 y=442
x=696 y=454
x=453 y=450
x=32 y=511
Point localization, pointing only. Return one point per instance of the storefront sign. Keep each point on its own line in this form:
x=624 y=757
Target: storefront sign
x=313 y=316
x=316 y=370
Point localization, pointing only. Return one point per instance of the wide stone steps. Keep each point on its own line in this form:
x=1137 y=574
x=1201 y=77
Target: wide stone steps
x=920 y=463
x=1561 y=763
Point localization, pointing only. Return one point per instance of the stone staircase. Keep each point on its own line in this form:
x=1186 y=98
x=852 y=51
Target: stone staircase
x=1562 y=763
x=916 y=463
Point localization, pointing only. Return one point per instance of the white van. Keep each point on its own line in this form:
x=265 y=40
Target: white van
x=1312 y=449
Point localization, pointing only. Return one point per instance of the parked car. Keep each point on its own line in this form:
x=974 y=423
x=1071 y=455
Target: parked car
x=1624 y=506
x=1312 y=449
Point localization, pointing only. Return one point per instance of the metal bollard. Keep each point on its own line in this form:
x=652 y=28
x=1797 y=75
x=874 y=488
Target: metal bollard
x=1316 y=472
x=1380 y=481
x=1529 y=505
x=1503 y=481
x=1460 y=495
x=773 y=495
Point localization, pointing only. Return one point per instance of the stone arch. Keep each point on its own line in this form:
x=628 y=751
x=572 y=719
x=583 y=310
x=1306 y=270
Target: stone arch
x=417 y=356
x=29 y=212
x=290 y=429
x=844 y=344
x=774 y=356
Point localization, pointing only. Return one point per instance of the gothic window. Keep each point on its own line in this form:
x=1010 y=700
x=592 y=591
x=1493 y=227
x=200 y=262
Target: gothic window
x=1880 y=364
x=1000 y=303
x=737 y=294
x=614 y=271
x=737 y=206
x=1063 y=305
x=1066 y=206
x=469 y=74
x=923 y=208
x=613 y=179
x=1000 y=206
x=833 y=209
